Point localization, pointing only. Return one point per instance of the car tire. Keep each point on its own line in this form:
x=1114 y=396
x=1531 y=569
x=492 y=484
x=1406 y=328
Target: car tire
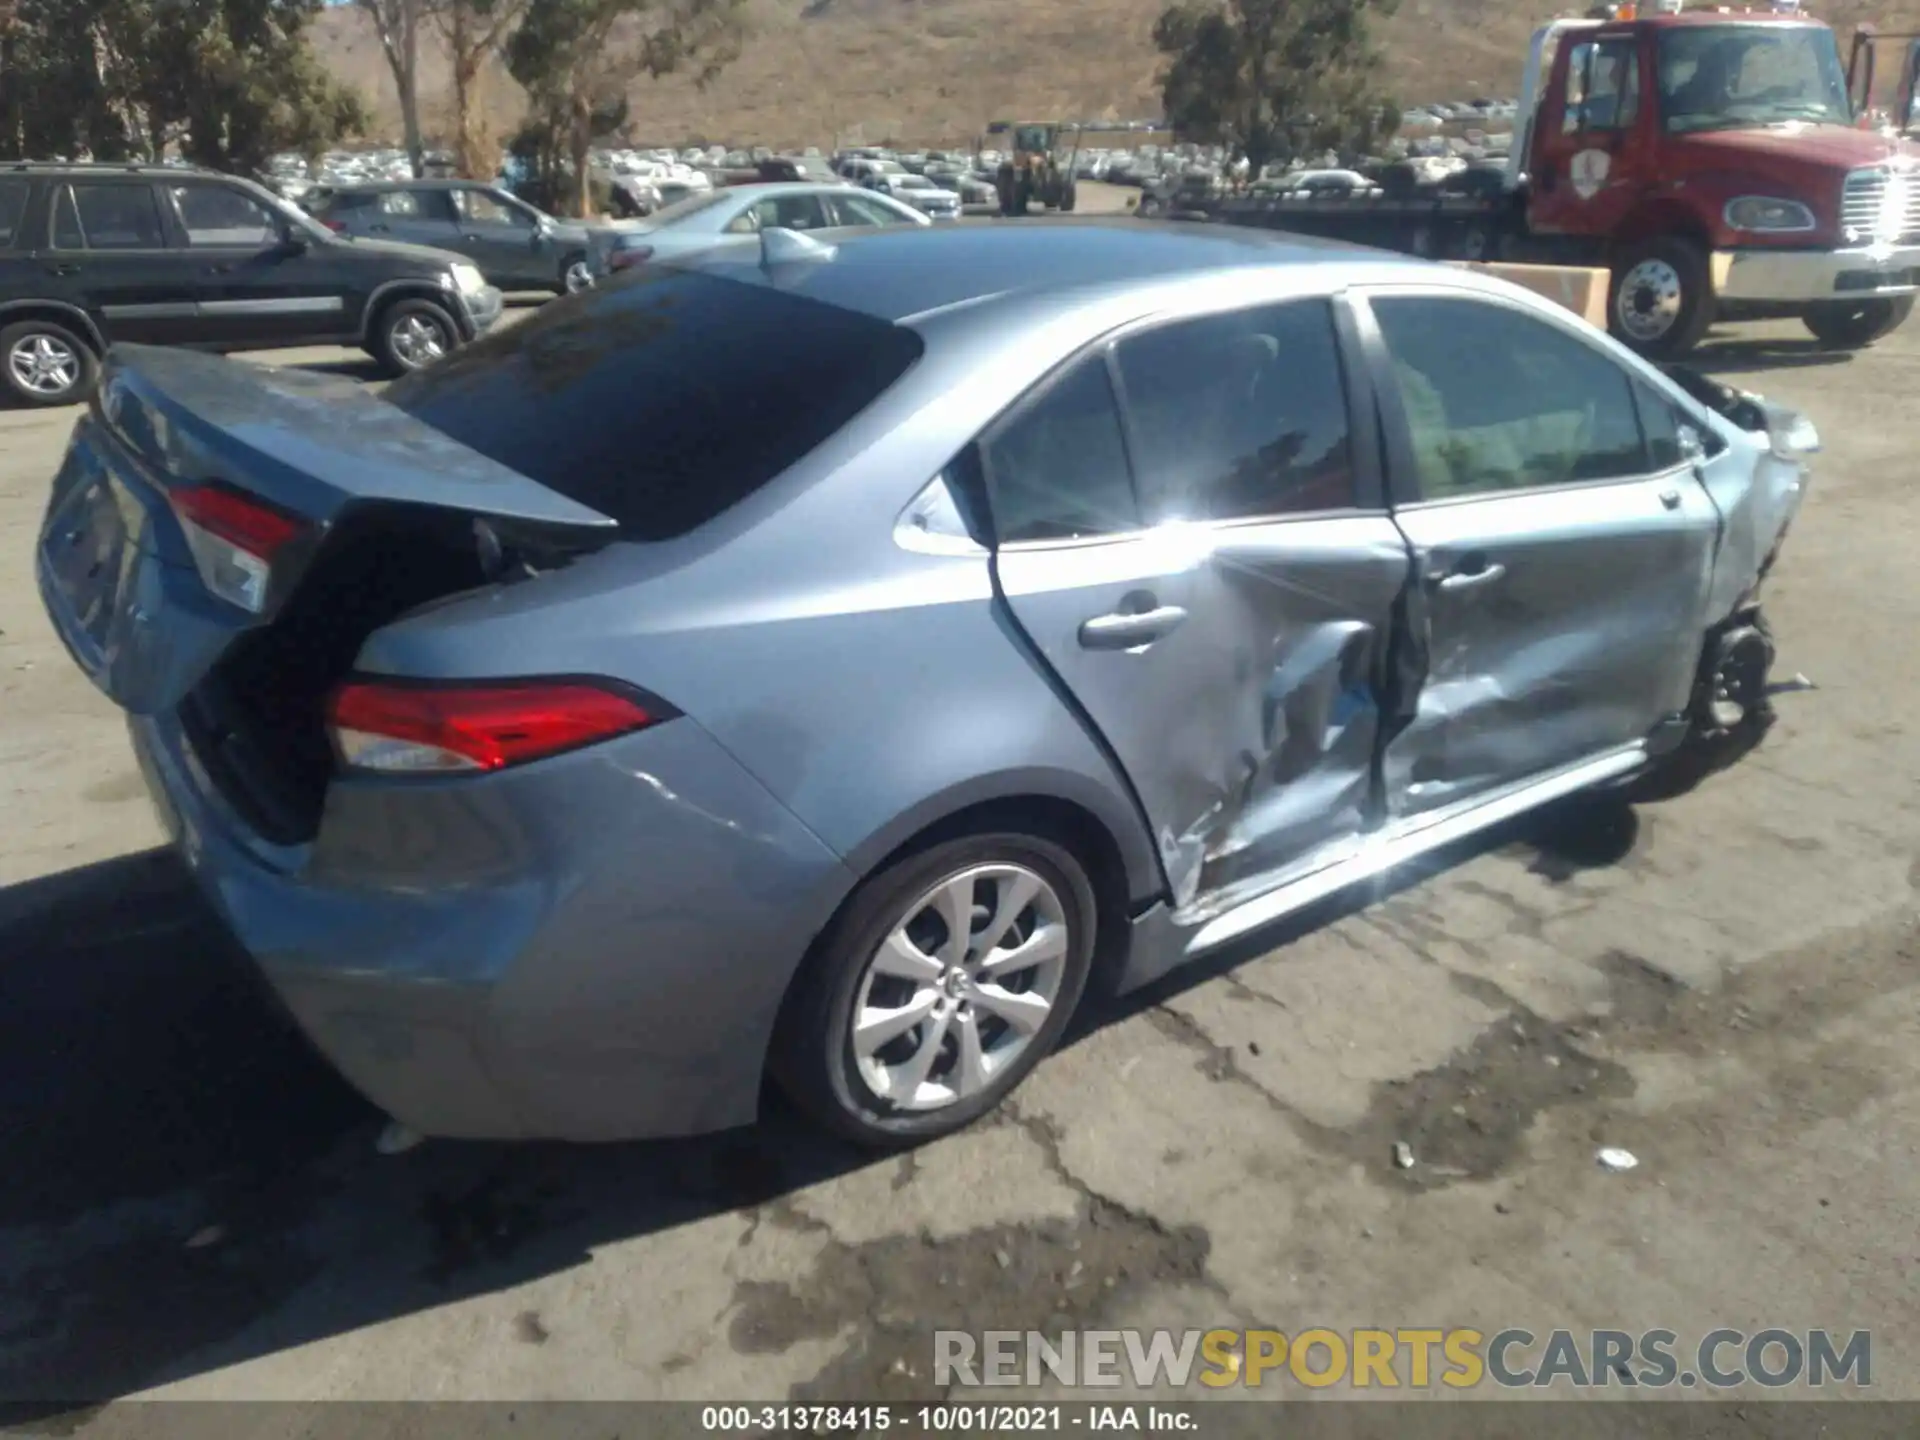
x=1149 y=207
x=1854 y=325
x=1662 y=297
x=576 y=274
x=817 y=1059
x=1069 y=197
x=411 y=334
x=46 y=364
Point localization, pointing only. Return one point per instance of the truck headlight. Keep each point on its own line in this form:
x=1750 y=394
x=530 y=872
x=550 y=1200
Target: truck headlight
x=1763 y=215
x=467 y=280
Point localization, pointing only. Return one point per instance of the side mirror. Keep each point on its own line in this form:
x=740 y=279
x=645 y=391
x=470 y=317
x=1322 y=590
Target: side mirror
x=293 y=241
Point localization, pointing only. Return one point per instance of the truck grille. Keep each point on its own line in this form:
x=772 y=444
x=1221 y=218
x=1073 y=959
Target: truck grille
x=1882 y=206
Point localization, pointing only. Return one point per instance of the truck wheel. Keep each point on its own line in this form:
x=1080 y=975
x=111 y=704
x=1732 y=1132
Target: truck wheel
x=1149 y=207
x=1857 y=324
x=1476 y=244
x=1662 y=298
x=1068 y=198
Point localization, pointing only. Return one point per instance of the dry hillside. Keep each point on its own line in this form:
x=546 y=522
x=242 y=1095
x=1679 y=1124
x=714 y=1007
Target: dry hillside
x=927 y=71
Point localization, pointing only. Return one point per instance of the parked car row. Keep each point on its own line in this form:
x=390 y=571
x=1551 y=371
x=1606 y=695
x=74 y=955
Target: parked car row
x=91 y=255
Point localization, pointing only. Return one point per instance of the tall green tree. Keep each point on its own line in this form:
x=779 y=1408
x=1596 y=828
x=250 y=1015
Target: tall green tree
x=575 y=59
x=225 y=82
x=1271 y=79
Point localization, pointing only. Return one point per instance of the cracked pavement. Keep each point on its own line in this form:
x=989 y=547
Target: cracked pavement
x=1726 y=983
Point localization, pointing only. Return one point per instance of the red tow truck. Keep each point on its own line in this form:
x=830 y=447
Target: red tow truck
x=1714 y=160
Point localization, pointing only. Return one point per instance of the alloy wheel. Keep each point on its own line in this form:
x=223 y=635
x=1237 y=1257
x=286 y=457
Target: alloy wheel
x=578 y=277
x=418 y=340
x=44 y=364
x=964 y=980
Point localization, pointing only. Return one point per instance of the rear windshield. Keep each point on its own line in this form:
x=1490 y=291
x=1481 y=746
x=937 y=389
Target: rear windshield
x=665 y=399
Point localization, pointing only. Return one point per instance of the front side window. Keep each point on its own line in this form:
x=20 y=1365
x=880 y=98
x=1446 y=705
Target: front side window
x=1497 y=400
x=785 y=212
x=860 y=210
x=1603 y=86
x=1058 y=469
x=483 y=209
x=216 y=215
x=1239 y=415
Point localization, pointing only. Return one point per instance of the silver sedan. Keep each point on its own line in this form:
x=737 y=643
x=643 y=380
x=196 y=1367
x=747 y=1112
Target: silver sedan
x=740 y=212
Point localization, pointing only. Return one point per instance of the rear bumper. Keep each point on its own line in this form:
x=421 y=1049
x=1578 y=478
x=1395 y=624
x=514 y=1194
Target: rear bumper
x=1815 y=275
x=581 y=950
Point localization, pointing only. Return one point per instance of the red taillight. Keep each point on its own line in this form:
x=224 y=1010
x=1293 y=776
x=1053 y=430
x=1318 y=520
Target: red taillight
x=234 y=539
x=398 y=728
x=337 y=226
x=623 y=259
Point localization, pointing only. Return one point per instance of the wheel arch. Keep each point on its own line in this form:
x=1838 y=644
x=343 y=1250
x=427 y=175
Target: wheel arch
x=57 y=312
x=1071 y=808
x=1013 y=802
x=1666 y=217
x=385 y=295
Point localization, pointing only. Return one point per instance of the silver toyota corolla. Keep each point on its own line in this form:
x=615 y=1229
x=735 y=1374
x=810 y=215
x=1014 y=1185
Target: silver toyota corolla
x=834 y=657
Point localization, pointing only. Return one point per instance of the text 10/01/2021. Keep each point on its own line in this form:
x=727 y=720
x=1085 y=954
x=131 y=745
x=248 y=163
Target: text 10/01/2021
x=940 y=1419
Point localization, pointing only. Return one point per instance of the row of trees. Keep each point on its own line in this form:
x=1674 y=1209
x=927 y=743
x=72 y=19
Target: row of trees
x=573 y=58
x=225 y=82
x=228 y=82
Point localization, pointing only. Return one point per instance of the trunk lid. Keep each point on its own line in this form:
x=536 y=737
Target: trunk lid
x=115 y=571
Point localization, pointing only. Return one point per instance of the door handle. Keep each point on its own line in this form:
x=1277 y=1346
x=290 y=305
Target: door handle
x=1126 y=630
x=1670 y=499
x=376 y=229
x=1473 y=569
x=469 y=235
x=219 y=270
x=63 y=269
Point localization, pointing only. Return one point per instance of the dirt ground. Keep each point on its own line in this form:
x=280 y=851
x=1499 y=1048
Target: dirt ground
x=1726 y=984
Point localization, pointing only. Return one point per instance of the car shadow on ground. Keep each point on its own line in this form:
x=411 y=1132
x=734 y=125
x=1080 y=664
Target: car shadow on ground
x=1731 y=353
x=188 y=1186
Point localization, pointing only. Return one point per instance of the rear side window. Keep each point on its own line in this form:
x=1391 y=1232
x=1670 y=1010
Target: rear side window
x=13 y=210
x=665 y=400
x=108 y=217
x=859 y=210
x=1058 y=469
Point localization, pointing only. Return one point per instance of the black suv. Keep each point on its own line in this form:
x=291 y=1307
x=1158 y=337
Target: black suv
x=165 y=255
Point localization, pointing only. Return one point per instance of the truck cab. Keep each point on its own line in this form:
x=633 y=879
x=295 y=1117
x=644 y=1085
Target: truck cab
x=1714 y=162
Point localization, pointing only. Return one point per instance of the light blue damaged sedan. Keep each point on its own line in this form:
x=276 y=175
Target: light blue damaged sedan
x=834 y=657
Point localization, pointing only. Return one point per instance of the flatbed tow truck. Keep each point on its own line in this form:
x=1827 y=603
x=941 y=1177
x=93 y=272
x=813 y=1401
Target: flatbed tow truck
x=1714 y=161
